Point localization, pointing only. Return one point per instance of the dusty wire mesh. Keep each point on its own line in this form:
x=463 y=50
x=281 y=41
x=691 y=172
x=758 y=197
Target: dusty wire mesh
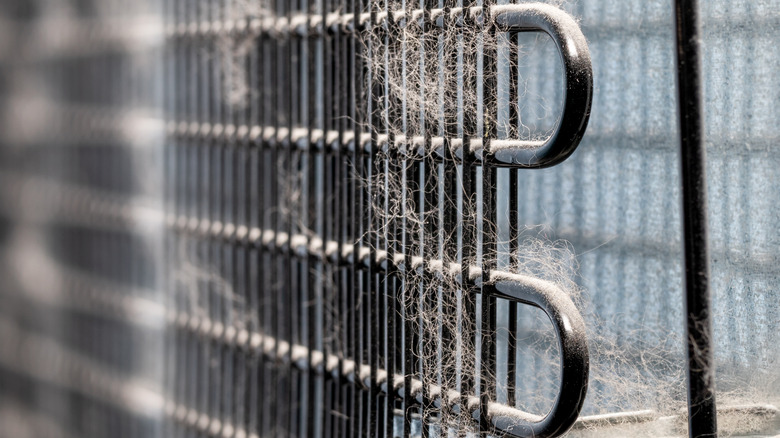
x=328 y=274
x=346 y=119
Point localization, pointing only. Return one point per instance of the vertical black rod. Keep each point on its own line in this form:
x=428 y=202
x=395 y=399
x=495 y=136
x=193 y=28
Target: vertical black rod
x=410 y=239
x=430 y=225
x=292 y=85
x=354 y=169
x=209 y=251
x=263 y=189
x=277 y=86
x=449 y=304
x=253 y=222
x=343 y=203
x=315 y=221
x=514 y=230
x=222 y=251
x=469 y=249
x=487 y=387
x=331 y=210
x=392 y=43
x=342 y=207
x=372 y=289
x=702 y=421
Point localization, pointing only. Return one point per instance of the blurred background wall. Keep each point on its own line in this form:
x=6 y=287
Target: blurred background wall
x=81 y=316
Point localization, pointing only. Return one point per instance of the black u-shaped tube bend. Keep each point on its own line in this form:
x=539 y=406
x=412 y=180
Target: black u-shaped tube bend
x=578 y=74
x=572 y=340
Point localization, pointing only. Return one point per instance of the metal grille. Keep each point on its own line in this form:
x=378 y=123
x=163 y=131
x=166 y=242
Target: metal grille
x=318 y=327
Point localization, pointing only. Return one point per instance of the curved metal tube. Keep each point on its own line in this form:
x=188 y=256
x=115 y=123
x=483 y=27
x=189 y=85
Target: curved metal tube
x=578 y=74
x=570 y=328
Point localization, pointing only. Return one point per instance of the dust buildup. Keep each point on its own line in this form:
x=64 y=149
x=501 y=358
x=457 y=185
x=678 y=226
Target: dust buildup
x=431 y=86
x=424 y=75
